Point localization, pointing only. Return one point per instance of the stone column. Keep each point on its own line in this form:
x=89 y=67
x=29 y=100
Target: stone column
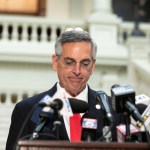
x=103 y=24
x=102 y=6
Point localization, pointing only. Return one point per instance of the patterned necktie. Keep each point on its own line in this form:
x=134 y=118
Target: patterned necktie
x=75 y=128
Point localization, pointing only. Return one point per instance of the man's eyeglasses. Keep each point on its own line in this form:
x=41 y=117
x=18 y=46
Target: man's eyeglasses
x=71 y=63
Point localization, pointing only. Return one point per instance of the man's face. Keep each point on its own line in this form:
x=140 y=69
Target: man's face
x=74 y=66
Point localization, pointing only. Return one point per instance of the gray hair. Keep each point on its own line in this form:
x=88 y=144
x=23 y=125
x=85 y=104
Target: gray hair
x=74 y=36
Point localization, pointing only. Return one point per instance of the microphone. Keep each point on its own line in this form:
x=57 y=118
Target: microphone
x=45 y=117
x=77 y=106
x=45 y=101
x=56 y=104
x=103 y=100
x=89 y=127
x=123 y=100
x=141 y=107
x=142 y=101
x=145 y=126
x=134 y=111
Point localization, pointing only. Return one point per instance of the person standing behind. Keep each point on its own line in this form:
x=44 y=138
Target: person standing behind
x=74 y=61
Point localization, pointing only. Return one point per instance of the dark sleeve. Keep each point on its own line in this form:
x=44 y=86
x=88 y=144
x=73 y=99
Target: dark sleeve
x=18 y=117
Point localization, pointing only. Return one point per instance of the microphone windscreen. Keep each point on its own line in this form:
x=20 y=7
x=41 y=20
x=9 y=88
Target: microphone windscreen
x=141 y=108
x=78 y=106
x=58 y=104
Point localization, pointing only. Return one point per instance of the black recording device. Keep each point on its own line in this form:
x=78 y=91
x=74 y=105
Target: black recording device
x=123 y=100
x=89 y=123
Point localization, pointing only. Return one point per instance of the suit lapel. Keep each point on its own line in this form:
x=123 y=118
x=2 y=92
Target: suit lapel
x=91 y=100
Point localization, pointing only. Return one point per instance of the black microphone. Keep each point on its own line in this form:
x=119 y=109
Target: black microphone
x=134 y=111
x=103 y=100
x=56 y=104
x=142 y=101
x=123 y=100
x=141 y=107
x=77 y=106
x=46 y=116
x=89 y=127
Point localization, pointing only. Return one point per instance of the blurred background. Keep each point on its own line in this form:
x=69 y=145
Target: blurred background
x=29 y=29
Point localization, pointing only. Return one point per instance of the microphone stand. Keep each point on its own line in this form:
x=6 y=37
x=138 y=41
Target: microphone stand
x=57 y=123
x=107 y=131
x=127 y=123
x=44 y=119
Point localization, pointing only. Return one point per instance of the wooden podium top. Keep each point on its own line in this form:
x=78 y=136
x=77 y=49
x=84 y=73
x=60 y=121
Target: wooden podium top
x=66 y=145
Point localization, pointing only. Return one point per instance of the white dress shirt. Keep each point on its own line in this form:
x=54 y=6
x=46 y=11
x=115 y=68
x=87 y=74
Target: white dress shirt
x=82 y=96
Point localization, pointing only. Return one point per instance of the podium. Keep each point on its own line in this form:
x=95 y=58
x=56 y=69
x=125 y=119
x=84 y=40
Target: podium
x=66 y=145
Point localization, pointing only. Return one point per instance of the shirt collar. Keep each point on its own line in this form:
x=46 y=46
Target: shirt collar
x=82 y=96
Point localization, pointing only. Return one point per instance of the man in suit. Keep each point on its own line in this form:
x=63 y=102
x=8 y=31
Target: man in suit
x=74 y=61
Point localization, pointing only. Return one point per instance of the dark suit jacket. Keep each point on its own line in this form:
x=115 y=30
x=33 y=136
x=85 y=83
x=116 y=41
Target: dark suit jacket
x=23 y=109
